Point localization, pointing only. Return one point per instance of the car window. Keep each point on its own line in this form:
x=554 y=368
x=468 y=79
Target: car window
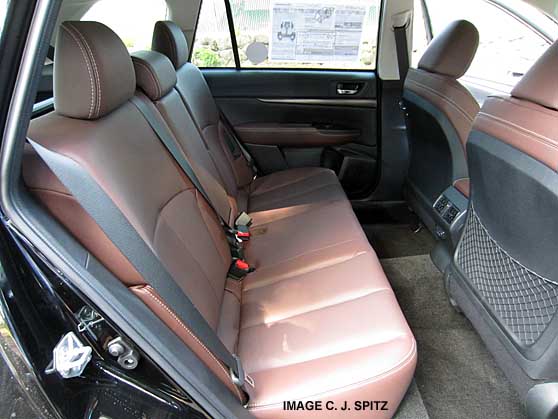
x=508 y=47
x=420 y=34
x=212 y=44
x=132 y=20
x=3 y=11
x=325 y=34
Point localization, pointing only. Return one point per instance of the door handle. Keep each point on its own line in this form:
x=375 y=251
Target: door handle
x=348 y=89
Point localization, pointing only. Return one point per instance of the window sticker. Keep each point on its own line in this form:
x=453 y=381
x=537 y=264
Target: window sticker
x=325 y=32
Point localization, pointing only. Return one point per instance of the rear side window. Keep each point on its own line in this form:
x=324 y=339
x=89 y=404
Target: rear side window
x=132 y=20
x=306 y=34
x=212 y=44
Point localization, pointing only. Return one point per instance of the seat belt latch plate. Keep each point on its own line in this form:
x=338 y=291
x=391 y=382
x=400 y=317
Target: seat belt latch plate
x=243 y=220
x=240 y=378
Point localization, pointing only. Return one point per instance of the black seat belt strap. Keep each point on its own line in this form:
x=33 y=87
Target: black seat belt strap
x=402 y=48
x=234 y=237
x=237 y=143
x=114 y=224
x=168 y=141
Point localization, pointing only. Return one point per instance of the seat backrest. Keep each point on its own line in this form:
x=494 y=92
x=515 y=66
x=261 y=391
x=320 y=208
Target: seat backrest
x=441 y=110
x=235 y=171
x=96 y=125
x=507 y=252
x=156 y=77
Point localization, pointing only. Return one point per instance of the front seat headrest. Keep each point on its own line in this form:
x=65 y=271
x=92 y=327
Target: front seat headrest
x=540 y=84
x=168 y=39
x=155 y=74
x=452 y=51
x=93 y=71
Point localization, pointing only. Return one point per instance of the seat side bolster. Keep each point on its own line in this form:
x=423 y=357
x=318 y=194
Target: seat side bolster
x=150 y=298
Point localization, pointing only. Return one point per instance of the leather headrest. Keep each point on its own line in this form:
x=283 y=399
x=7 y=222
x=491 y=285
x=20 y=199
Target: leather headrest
x=540 y=84
x=452 y=51
x=168 y=39
x=93 y=71
x=155 y=74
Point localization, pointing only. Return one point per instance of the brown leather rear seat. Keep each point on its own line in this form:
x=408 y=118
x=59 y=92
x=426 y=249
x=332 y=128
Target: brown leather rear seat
x=330 y=226
x=278 y=190
x=322 y=324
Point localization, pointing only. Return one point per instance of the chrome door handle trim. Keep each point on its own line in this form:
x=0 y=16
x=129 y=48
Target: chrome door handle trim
x=347 y=91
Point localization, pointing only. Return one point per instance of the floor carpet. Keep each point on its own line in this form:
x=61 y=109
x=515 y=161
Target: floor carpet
x=456 y=376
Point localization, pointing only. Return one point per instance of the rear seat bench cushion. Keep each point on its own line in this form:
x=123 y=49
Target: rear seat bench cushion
x=294 y=187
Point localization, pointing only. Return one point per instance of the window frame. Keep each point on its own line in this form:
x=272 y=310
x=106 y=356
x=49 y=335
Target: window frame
x=236 y=55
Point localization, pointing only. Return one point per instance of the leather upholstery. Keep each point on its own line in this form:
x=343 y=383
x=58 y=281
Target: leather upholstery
x=449 y=96
x=509 y=238
x=528 y=119
x=97 y=77
x=526 y=126
x=290 y=187
x=463 y=186
x=317 y=319
x=279 y=242
x=64 y=207
x=169 y=40
x=539 y=84
x=452 y=51
x=155 y=74
x=440 y=115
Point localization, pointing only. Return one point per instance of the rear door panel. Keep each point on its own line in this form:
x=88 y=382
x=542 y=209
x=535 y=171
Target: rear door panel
x=294 y=118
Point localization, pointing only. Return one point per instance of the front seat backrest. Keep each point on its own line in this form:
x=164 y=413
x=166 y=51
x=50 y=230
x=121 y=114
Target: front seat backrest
x=440 y=113
x=507 y=254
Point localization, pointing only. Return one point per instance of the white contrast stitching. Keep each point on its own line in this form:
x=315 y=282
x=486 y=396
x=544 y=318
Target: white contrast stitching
x=87 y=64
x=168 y=310
x=445 y=99
x=95 y=68
x=527 y=132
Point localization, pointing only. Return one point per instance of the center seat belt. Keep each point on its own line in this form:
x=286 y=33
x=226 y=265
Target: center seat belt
x=234 y=142
x=235 y=236
x=118 y=229
x=235 y=145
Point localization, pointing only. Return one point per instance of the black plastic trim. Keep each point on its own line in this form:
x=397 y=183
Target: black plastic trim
x=234 y=44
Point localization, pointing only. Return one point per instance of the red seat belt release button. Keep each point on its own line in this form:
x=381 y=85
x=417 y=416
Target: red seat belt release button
x=242 y=264
x=239 y=269
x=242 y=233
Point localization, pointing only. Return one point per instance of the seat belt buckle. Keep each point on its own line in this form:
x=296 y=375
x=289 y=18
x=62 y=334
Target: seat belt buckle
x=239 y=269
x=235 y=244
x=243 y=220
x=242 y=233
x=239 y=377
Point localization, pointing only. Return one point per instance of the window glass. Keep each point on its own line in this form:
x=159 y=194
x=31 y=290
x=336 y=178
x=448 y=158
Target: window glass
x=420 y=37
x=132 y=20
x=3 y=11
x=212 y=45
x=507 y=47
x=314 y=34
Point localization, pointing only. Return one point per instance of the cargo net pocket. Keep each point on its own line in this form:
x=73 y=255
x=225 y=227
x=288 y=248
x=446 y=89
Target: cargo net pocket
x=524 y=301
